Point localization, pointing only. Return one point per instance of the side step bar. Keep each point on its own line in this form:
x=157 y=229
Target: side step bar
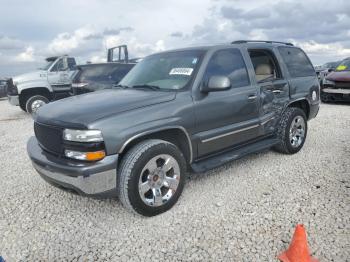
x=223 y=158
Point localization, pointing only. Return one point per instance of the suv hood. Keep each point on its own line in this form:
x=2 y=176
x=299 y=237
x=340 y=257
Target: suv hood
x=35 y=75
x=79 y=111
x=342 y=76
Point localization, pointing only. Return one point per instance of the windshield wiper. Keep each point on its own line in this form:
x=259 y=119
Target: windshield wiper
x=121 y=86
x=152 y=87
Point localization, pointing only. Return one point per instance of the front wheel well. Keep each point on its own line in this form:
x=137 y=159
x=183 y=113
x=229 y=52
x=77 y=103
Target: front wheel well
x=303 y=105
x=175 y=136
x=26 y=93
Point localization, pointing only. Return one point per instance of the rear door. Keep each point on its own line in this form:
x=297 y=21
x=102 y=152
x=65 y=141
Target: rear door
x=273 y=87
x=227 y=118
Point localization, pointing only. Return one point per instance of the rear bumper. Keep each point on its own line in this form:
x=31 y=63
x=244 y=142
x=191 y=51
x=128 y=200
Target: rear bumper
x=13 y=100
x=93 y=179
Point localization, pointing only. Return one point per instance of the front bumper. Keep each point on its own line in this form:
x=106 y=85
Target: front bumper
x=14 y=100
x=93 y=179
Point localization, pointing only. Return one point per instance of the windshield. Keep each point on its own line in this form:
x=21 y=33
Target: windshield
x=171 y=71
x=344 y=66
x=46 y=66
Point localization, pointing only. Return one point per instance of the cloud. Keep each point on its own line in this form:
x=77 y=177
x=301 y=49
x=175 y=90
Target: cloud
x=26 y=56
x=323 y=32
x=336 y=50
x=319 y=26
x=67 y=42
x=117 y=31
x=8 y=43
x=176 y=34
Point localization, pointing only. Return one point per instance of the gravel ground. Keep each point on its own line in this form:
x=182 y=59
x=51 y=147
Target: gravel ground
x=244 y=211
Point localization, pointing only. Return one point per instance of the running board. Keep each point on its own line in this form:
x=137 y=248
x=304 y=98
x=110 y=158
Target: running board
x=223 y=158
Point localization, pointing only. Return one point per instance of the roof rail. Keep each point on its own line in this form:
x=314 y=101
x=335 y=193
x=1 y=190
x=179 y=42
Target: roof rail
x=260 y=41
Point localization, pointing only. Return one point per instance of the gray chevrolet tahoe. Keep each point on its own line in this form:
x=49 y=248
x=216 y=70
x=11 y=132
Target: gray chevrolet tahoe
x=179 y=111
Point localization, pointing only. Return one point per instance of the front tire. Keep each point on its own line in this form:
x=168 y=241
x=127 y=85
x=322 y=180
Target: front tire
x=35 y=102
x=292 y=131
x=151 y=177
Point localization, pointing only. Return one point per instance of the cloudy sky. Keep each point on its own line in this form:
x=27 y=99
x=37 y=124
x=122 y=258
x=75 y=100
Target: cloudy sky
x=32 y=30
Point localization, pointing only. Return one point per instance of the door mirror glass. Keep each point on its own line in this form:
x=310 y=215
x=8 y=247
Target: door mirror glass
x=216 y=83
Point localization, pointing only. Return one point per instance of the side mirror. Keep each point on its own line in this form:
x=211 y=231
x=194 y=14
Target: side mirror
x=330 y=70
x=216 y=83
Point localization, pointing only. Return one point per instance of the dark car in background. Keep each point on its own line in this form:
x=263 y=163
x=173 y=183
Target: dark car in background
x=336 y=85
x=94 y=77
x=323 y=70
x=3 y=87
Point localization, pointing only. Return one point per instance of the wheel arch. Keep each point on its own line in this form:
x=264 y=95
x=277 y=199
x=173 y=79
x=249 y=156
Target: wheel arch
x=174 y=134
x=37 y=91
x=303 y=104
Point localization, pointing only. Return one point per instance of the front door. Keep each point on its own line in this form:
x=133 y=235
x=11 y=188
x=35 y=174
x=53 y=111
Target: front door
x=59 y=76
x=227 y=118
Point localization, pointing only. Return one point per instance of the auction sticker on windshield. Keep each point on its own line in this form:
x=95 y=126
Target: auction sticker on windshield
x=181 y=71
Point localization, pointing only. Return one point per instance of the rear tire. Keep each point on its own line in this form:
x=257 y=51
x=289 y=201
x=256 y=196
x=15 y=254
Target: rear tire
x=35 y=102
x=151 y=177
x=291 y=131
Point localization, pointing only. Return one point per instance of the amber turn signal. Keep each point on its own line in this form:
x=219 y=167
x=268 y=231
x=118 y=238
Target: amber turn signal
x=87 y=156
x=93 y=156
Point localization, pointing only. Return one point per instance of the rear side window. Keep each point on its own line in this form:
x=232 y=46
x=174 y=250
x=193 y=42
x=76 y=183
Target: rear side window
x=71 y=63
x=297 y=62
x=230 y=63
x=104 y=73
x=120 y=72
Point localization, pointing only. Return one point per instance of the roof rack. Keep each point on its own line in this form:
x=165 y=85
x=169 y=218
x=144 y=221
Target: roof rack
x=260 y=41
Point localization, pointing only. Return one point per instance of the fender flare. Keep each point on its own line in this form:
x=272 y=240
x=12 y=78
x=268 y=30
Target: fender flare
x=151 y=131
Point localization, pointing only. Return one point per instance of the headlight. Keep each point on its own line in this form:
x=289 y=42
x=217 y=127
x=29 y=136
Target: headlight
x=328 y=82
x=87 y=156
x=82 y=135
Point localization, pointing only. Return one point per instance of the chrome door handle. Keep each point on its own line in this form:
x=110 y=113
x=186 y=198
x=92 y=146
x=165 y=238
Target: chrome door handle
x=277 y=91
x=252 y=97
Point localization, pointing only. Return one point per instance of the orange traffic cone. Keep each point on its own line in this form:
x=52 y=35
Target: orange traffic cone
x=298 y=250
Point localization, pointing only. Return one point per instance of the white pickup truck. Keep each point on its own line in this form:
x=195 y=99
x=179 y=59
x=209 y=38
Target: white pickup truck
x=51 y=82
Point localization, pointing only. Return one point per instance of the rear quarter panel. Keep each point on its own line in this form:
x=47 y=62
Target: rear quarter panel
x=300 y=87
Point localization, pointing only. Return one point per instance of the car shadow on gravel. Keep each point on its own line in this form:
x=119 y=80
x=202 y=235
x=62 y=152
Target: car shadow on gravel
x=20 y=115
x=229 y=166
x=104 y=205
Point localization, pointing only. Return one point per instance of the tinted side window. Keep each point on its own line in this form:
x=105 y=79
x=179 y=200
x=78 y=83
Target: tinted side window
x=103 y=73
x=120 y=72
x=96 y=73
x=230 y=63
x=71 y=63
x=297 y=62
